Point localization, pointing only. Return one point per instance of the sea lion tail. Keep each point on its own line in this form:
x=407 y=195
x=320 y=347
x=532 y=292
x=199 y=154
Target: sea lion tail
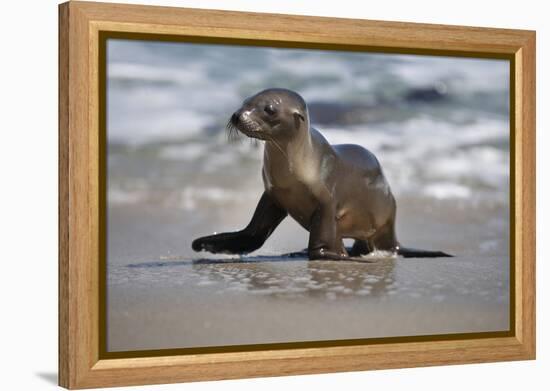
x=415 y=253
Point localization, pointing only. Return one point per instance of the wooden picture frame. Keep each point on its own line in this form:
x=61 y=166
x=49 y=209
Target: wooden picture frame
x=82 y=362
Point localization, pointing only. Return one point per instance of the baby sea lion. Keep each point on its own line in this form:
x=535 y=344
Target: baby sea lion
x=333 y=191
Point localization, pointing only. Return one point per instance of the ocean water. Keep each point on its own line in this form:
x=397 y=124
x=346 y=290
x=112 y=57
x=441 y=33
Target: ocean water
x=440 y=128
x=438 y=125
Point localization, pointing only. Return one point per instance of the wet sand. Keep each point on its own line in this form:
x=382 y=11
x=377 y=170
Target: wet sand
x=162 y=295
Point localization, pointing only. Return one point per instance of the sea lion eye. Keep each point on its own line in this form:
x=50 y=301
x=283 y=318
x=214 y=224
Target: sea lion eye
x=270 y=109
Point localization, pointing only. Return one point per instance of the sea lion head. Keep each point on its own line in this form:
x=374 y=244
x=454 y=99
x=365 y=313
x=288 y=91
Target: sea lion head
x=272 y=114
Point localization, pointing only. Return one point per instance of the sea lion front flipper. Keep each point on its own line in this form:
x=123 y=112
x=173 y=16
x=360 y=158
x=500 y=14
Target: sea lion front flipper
x=266 y=218
x=324 y=241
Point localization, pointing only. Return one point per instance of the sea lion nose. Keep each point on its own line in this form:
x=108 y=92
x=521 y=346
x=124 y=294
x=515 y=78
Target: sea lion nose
x=235 y=118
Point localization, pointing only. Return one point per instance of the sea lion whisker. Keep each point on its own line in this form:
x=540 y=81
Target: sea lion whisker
x=255 y=142
x=233 y=134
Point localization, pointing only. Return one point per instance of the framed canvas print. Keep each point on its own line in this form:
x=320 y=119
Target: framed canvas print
x=249 y=195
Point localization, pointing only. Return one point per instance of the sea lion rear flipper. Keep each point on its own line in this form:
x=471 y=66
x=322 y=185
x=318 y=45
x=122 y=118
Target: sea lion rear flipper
x=415 y=253
x=266 y=218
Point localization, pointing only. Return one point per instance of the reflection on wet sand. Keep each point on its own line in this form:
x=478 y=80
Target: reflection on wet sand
x=331 y=279
x=278 y=277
